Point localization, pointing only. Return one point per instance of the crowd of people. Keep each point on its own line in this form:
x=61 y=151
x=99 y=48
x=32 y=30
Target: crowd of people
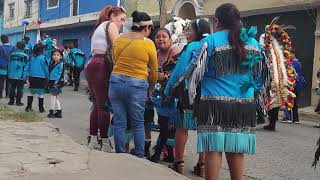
x=217 y=84
x=41 y=68
x=135 y=75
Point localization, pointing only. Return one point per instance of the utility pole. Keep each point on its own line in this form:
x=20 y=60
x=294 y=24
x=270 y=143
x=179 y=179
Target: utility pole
x=163 y=12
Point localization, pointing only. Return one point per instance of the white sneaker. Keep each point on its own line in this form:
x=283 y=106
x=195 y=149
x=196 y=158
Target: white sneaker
x=107 y=145
x=286 y=121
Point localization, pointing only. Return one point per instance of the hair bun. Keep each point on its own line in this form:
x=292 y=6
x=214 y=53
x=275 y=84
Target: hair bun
x=136 y=16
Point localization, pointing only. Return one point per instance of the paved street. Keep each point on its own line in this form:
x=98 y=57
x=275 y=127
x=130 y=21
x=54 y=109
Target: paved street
x=285 y=154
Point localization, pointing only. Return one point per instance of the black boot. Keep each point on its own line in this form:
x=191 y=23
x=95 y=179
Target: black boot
x=41 y=108
x=11 y=102
x=29 y=104
x=318 y=107
x=51 y=114
x=170 y=157
x=147 y=145
x=18 y=102
x=76 y=88
x=58 y=114
x=156 y=156
x=270 y=127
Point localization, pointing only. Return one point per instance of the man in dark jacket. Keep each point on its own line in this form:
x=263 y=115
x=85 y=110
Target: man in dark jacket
x=294 y=115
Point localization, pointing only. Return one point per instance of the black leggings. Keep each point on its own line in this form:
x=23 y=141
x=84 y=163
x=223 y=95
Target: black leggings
x=273 y=115
x=16 y=88
x=76 y=76
x=165 y=133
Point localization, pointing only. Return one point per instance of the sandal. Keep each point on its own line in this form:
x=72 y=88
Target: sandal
x=177 y=166
x=199 y=169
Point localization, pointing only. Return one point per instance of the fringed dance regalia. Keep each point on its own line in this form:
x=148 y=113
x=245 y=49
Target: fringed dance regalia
x=226 y=110
x=177 y=85
x=277 y=48
x=316 y=155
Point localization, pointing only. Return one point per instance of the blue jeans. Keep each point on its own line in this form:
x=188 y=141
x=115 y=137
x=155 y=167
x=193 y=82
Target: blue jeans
x=128 y=97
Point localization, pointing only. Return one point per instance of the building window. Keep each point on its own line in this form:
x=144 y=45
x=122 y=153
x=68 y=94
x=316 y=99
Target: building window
x=75 y=7
x=11 y=10
x=28 y=8
x=53 y=4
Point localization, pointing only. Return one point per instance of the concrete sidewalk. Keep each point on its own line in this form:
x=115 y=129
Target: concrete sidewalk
x=38 y=151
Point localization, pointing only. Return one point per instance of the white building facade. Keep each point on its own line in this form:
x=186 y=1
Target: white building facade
x=16 y=11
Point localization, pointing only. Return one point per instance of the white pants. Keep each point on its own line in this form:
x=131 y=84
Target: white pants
x=55 y=103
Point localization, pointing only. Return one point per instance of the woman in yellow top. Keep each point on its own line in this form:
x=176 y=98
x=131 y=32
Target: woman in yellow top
x=133 y=53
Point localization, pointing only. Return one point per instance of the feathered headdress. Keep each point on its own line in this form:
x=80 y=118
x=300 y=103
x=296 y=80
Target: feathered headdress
x=316 y=155
x=278 y=49
x=179 y=30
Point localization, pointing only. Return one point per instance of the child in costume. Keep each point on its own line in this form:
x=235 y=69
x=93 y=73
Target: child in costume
x=29 y=46
x=48 y=48
x=56 y=82
x=78 y=59
x=5 y=50
x=17 y=73
x=38 y=72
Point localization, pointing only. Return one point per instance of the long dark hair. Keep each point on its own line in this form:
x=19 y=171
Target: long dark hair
x=201 y=27
x=229 y=18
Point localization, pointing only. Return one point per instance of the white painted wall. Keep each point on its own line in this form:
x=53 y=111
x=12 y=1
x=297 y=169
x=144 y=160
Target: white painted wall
x=20 y=12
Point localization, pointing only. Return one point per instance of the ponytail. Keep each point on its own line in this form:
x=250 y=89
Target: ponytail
x=236 y=42
x=229 y=18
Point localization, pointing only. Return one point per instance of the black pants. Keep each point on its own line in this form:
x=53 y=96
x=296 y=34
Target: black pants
x=165 y=133
x=273 y=115
x=295 y=109
x=4 y=82
x=76 y=76
x=70 y=74
x=260 y=116
x=16 y=88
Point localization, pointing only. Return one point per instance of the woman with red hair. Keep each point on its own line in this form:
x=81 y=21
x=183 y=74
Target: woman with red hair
x=98 y=70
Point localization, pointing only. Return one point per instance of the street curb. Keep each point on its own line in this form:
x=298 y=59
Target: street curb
x=311 y=117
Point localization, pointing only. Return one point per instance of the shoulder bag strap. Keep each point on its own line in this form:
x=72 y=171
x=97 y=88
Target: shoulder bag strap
x=109 y=50
x=125 y=47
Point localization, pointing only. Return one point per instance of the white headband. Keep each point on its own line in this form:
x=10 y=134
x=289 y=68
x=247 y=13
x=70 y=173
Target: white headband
x=143 y=23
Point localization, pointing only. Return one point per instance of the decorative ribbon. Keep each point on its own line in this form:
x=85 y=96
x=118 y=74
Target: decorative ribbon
x=245 y=35
x=249 y=82
x=251 y=60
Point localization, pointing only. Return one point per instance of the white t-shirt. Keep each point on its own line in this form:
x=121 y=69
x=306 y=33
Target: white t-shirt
x=99 y=39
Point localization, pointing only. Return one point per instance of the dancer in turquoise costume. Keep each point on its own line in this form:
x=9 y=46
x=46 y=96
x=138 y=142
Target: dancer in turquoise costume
x=29 y=46
x=227 y=67
x=55 y=83
x=48 y=48
x=17 y=73
x=38 y=74
x=199 y=29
